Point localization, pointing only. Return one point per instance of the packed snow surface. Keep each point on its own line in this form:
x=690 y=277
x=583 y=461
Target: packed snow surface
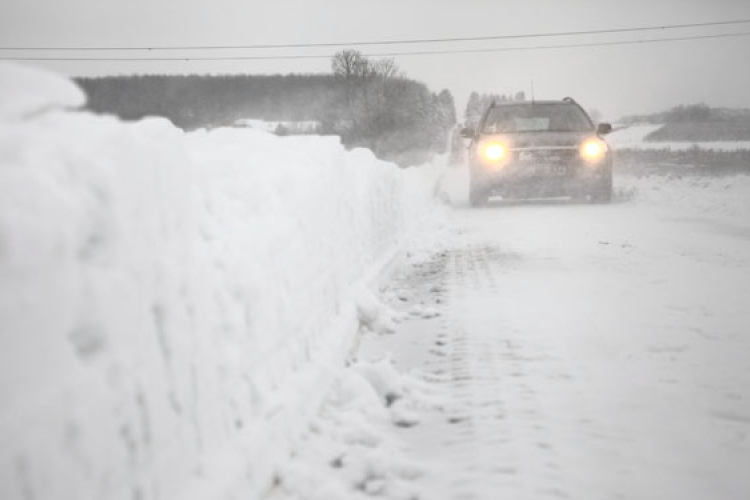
x=173 y=306
x=578 y=351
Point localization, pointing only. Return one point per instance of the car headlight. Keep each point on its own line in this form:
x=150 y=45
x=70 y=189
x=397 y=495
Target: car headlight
x=494 y=152
x=593 y=149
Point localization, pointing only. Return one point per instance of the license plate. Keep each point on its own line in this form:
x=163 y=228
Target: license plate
x=537 y=169
x=538 y=156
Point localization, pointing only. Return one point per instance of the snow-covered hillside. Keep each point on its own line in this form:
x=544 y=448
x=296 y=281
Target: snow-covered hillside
x=634 y=137
x=169 y=313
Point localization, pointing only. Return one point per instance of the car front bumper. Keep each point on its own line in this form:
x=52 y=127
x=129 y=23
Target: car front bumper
x=518 y=178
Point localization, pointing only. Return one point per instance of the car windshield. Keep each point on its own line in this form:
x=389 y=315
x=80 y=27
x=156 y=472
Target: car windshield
x=557 y=117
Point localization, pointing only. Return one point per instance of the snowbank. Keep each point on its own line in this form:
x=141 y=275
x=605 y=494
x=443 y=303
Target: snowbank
x=171 y=304
x=25 y=91
x=351 y=451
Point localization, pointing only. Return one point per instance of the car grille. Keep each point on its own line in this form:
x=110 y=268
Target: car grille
x=545 y=156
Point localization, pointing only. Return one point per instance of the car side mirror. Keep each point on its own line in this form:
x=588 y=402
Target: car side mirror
x=467 y=133
x=604 y=128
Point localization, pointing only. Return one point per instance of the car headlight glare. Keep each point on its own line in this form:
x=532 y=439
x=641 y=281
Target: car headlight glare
x=593 y=149
x=494 y=152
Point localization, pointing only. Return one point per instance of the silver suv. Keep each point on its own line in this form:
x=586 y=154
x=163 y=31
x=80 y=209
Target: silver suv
x=539 y=149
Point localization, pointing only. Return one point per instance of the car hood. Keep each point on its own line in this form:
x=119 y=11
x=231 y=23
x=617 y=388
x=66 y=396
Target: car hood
x=541 y=139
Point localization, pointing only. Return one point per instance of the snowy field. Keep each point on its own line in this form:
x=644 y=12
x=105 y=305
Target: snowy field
x=232 y=315
x=634 y=137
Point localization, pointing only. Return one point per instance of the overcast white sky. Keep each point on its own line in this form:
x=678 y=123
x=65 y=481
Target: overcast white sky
x=616 y=80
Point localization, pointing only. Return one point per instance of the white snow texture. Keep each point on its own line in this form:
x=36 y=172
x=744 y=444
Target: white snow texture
x=169 y=311
x=25 y=91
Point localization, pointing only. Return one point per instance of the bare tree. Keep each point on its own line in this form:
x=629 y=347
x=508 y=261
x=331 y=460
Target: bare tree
x=350 y=65
x=385 y=111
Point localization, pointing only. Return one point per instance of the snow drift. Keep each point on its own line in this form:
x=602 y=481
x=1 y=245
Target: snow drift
x=171 y=304
x=26 y=91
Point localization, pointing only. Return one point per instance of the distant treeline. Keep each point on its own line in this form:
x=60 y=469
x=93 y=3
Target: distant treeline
x=691 y=113
x=196 y=101
x=369 y=103
x=725 y=130
x=696 y=123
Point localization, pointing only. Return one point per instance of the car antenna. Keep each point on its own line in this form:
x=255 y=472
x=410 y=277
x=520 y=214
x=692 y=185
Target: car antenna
x=532 y=91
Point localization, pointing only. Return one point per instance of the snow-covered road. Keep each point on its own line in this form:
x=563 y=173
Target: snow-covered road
x=586 y=352
x=178 y=314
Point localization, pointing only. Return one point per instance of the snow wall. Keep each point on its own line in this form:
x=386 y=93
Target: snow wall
x=171 y=304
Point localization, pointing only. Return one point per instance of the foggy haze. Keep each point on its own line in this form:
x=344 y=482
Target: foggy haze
x=333 y=271
x=616 y=80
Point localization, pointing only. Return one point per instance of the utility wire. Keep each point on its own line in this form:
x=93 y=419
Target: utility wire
x=388 y=54
x=396 y=42
x=565 y=46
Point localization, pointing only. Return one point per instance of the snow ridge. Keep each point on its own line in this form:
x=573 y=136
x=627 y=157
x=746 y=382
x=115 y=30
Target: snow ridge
x=27 y=91
x=172 y=305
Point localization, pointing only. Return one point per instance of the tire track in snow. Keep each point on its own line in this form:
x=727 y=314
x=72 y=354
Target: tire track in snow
x=500 y=422
x=492 y=436
x=584 y=353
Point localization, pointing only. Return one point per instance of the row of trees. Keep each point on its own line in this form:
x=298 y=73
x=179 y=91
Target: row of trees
x=383 y=110
x=201 y=101
x=691 y=113
x=368 y=102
